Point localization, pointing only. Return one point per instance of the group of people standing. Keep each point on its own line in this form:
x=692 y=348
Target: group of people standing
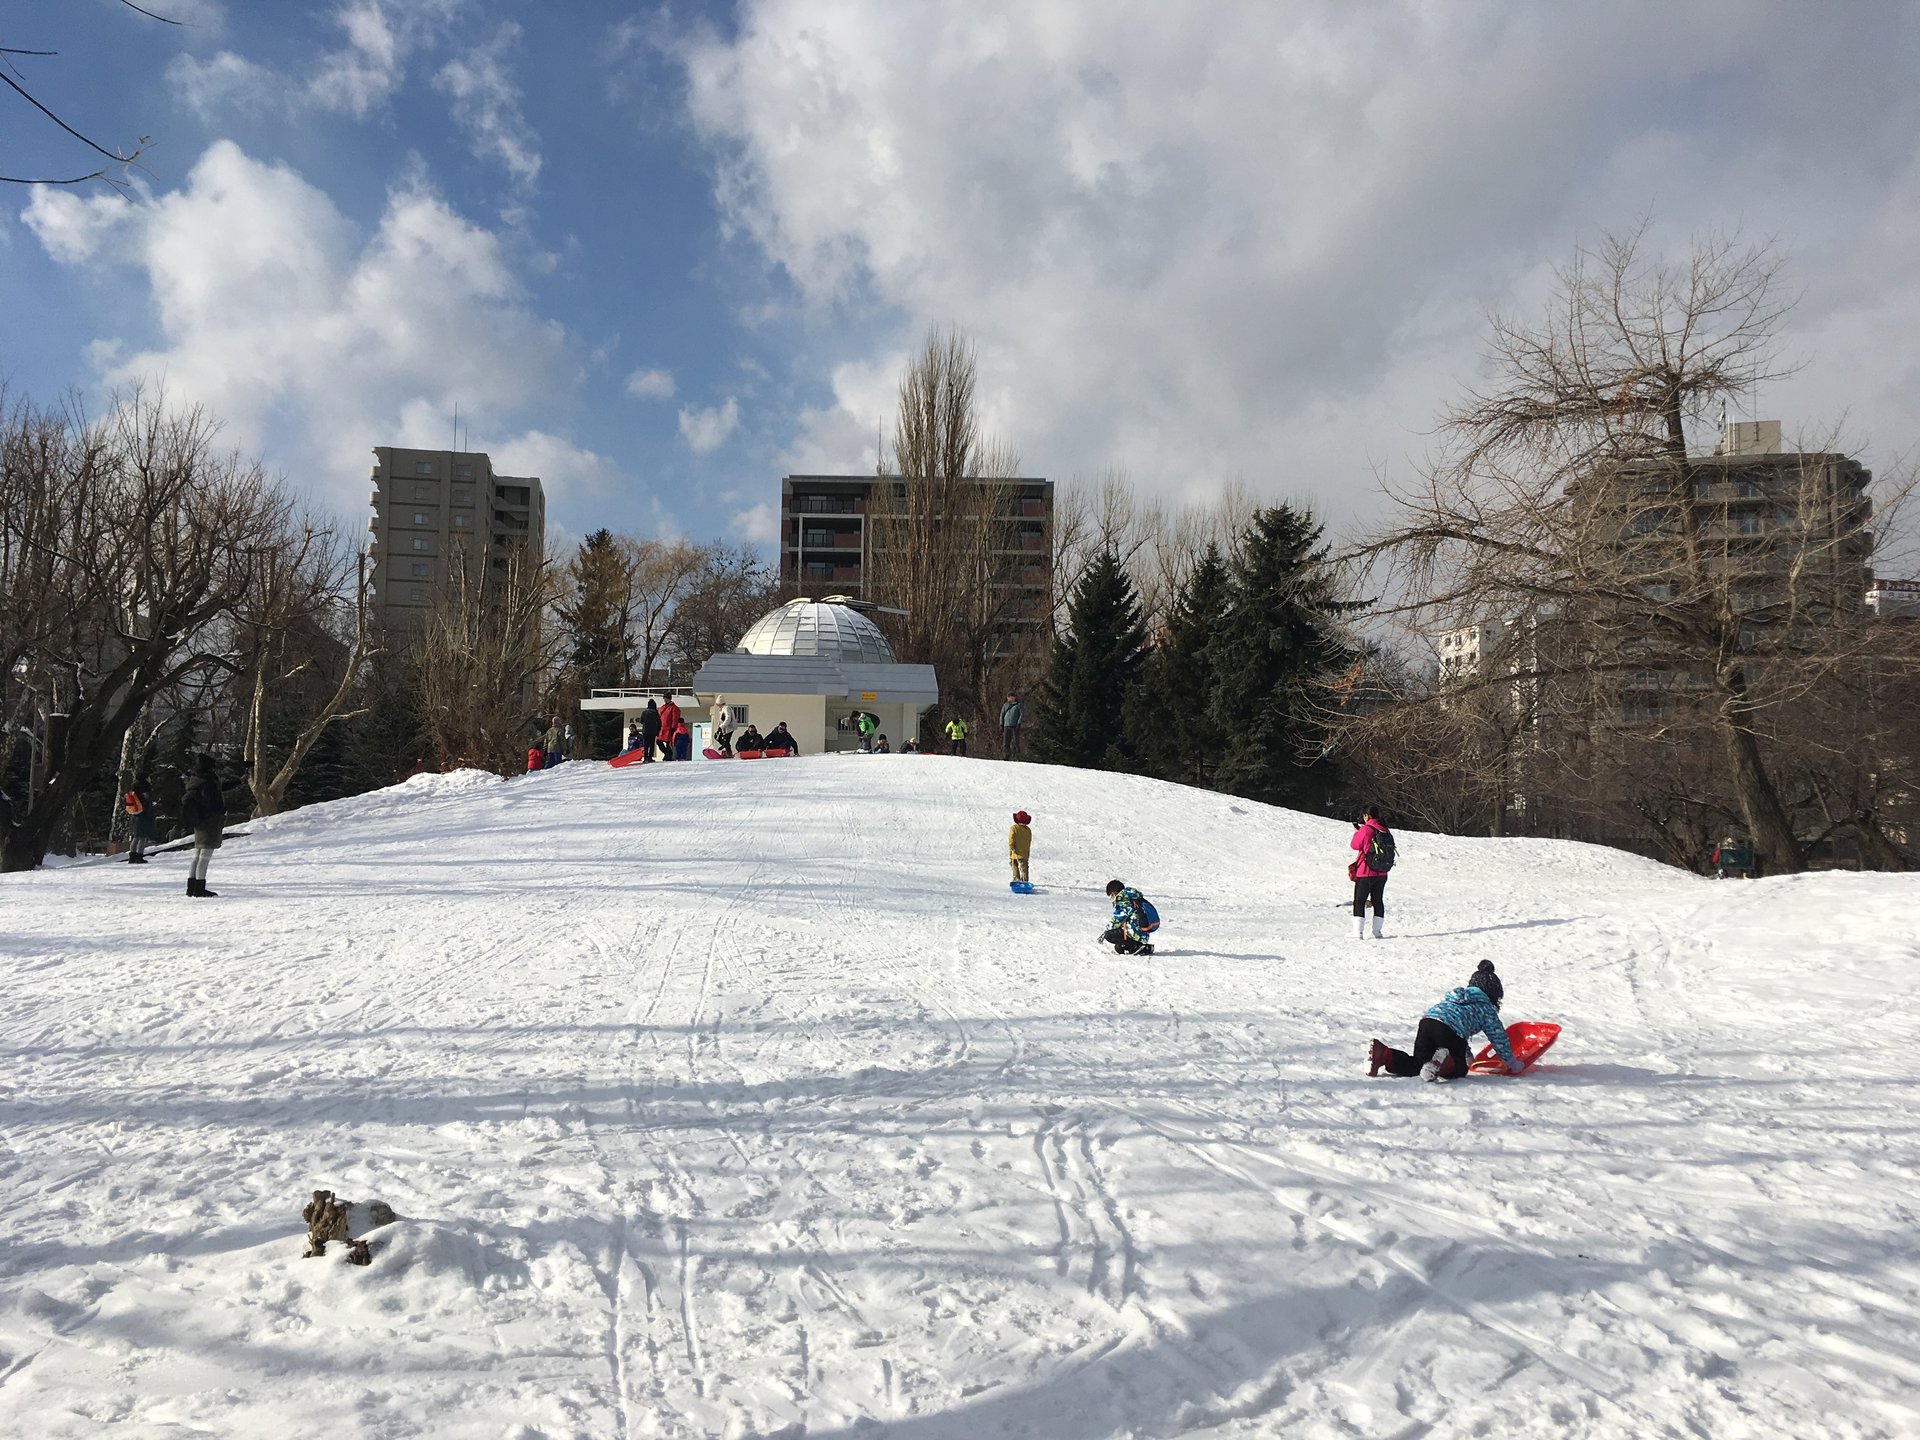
x=661 y=732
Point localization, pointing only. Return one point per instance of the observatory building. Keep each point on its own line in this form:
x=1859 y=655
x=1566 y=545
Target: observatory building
x=816 y=664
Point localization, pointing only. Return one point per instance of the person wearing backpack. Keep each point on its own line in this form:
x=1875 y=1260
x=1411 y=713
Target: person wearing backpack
x=138 y=803
x=203 y=810
x=1369 y=871
x=1133 y=920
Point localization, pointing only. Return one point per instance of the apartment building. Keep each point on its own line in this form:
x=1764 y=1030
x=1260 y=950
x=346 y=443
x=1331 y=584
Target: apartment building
x=431 y=509
x=827 y=541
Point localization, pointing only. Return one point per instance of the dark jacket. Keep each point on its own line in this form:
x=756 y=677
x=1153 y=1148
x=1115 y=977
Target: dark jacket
x=1013 y=714
x=781 y=740
x=650 y=723
x=203 y=810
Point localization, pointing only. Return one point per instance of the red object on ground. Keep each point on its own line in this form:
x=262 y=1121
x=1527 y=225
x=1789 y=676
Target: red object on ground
x=746 y=754
x=712 y=754
x=629 y=757
x=1530 y=1040
x=535 y=759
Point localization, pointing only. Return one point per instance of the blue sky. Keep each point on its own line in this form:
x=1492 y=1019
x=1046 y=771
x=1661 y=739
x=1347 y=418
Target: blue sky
x=662 y=255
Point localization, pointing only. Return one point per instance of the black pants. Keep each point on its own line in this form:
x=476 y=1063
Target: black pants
x=1431 y=1036
x=959 y=746
x=1010 y=746
x=1370 y=887
x=1123 y=942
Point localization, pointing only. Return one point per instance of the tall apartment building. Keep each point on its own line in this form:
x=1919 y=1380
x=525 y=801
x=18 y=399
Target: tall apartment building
x=826 y=543
x=431 y=508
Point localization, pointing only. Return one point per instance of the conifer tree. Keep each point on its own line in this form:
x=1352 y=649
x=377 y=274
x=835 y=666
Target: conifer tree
x=1081 y=717
x=596 y=622
x=1170 y=720
x=1273 y=652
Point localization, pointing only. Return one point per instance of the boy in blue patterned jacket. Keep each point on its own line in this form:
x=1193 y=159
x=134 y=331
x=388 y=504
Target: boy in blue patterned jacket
x=1124 y=932
x=1442 y=1047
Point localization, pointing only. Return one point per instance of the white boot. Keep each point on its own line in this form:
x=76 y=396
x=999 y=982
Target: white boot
x=1436 y=1068
x=1376 y=928
x=1359 y=927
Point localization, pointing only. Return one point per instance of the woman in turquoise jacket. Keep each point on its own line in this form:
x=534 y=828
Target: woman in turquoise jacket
x=1443 y=1045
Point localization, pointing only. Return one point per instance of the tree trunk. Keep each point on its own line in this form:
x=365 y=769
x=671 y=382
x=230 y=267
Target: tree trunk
x=1766 y=817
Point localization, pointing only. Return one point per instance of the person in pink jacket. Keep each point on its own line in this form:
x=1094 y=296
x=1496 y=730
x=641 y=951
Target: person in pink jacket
x=1374 y=842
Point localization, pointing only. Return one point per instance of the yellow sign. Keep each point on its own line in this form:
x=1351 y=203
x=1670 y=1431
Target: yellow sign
x=866 y=694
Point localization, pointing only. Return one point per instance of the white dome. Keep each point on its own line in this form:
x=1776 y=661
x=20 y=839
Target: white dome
x=817 y=627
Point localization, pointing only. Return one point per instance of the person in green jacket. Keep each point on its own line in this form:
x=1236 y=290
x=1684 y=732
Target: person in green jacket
x=956 y=729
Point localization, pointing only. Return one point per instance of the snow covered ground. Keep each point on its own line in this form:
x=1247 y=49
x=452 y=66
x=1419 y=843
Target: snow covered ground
x=744 y=1100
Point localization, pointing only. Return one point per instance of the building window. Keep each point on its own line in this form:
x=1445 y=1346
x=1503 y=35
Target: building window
x=1661 y=593
x=424 y=492
x=462 y=521
x=819 y=539
x=820 y=569
x=423 y=467
x=419 y=542
x=418 y=518
x=463 y=497
x=463 y=472
x=1746 y=523
x=420 y=567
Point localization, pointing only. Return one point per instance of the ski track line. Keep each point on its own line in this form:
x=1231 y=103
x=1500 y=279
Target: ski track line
x=1608 y=1388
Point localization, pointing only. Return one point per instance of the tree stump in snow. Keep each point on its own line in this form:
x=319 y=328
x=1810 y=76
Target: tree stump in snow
x=326 y=1220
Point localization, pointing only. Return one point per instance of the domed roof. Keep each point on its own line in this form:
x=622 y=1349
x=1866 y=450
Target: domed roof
x=818 y=627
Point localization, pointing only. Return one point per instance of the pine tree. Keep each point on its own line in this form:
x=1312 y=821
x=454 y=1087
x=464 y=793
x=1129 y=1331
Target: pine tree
x=1272 y=654
x=1172 y=726
x=1081 y=715
x=596 y=624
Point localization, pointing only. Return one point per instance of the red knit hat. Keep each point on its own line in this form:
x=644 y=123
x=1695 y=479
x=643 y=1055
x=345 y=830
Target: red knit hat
x=1020 y=817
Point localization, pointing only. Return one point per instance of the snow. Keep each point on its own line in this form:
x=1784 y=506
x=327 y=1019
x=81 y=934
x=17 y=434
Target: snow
x=744 y=1100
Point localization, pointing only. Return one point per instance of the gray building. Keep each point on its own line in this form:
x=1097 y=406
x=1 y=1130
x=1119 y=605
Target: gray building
x=433 y=510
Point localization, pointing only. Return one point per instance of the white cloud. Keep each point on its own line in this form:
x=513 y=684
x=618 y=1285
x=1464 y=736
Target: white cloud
x=757 y=524
x=355 y=78
x=707 y=430
x=486 y=104
x=227 y=81
x=1257 y=241
x=316 y=342
x=651 y=384
x=559 y=464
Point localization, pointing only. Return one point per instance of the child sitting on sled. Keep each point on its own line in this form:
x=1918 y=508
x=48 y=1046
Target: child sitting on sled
x=1441 y=1046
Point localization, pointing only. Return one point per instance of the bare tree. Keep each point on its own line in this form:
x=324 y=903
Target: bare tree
x=1670 y=594
x=942 y=534
x=124 y=545
x=120 y=159
x=482 y=656
x=300 y=590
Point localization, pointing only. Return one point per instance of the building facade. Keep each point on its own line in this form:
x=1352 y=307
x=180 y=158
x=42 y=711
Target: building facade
x=433 y=509
x=827 y=537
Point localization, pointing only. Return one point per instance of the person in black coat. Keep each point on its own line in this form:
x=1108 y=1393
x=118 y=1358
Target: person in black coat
x=203 y=809
x=780 y=742
x=649 y=731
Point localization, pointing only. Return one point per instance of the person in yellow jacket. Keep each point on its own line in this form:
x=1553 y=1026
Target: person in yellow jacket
x=1020 y=844
x=957 y=735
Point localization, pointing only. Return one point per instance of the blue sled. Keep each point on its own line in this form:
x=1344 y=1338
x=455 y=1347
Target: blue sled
x=1020 y=887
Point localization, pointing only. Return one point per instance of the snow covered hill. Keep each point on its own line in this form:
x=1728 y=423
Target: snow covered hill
x=745 y=1100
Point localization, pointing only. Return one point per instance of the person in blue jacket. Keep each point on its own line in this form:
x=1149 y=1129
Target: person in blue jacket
x=1124 y=932
x=1442 y=1046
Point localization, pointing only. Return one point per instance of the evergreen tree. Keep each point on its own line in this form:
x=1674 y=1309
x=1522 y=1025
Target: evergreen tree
x=596 y=620
x=1170 y=720
x=1081 y=715
x=1273 y=652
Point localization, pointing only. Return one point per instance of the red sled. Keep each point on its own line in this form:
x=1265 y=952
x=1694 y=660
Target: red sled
x=746 y=754
x=629 y=757
x=1529 y=1039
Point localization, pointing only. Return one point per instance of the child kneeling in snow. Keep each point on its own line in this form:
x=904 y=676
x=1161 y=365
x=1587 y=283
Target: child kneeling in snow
x=1132 y=920
x=1441 y=1048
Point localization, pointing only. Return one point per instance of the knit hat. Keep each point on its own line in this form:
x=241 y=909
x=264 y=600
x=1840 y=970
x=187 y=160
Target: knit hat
x=1488 y=983
x=1020 y=817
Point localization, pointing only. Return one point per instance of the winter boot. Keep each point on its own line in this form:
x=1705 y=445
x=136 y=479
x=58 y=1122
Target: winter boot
x=1359 y=927
x=1377 y=921
x=193 y=885
x=1376 y=1058
x=1146 y=949
x=206 y=894
x=136 y=858
x=1436 y=1068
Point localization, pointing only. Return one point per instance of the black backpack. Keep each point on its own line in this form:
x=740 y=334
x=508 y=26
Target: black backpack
x=1380 y=851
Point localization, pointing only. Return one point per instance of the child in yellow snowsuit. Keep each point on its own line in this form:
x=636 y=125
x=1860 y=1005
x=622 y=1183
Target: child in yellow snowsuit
x=1019 y=844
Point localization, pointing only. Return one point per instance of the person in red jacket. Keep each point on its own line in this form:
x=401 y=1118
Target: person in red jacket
x=670 y=723
x=1374 y=842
